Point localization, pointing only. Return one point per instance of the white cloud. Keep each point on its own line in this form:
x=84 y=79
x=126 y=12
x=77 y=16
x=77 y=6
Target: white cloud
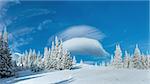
x=17 y=39
x=85 y=46
x=22 y=31
x=34 y=12
x=41 y=25
x=4 y=3
x=82 y=31
x=20 y=42
x=79 y=31
x=1 y=27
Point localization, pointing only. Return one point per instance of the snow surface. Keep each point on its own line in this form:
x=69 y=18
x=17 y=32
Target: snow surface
x=82 y=74
x=85 y=45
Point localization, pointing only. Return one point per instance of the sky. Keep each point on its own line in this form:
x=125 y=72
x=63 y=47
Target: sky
x=32 y=24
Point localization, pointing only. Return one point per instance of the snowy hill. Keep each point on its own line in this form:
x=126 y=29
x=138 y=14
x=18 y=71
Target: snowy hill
x=84 y=74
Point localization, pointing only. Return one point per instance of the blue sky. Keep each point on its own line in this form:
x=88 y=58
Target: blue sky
x=31 y=23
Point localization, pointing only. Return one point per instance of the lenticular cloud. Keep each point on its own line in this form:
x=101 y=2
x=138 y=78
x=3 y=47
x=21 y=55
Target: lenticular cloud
x=81 y=31
x=85 y=46
x=82 y=39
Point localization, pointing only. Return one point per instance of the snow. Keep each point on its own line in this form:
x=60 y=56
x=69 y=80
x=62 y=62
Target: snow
x=85 y=45
x=82 y=74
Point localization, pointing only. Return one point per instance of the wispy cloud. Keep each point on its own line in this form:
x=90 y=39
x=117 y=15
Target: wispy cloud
x=43 y=24
x=33 y=12
x=79 y=31
x=17 y=39
x=22 y=31
x=17 y=43
x=4 y=5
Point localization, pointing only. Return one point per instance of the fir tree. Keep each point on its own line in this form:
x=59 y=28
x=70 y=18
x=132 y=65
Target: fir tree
x=143 y=62
x=30 y=58
x=6 y=67
x=74 y=60
x=118 y=57
x=136 y=57
x=66 y=60
x=57 y=57
x=45 y=55
x=95 y=64
x=126 y=60
x=81 y=61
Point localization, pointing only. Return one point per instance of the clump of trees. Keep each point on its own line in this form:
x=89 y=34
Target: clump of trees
x=57 y=58
x=30 y=60
x=138 y=60
x=54 y=58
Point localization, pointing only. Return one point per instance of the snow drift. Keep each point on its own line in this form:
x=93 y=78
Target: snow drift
x=87 y=74
x=85 y=46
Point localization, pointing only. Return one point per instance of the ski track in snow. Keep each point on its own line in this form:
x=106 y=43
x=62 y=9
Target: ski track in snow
x=88 y=74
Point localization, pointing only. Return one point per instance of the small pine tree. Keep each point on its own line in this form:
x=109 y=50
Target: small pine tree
x=126 y=60
x=30 y=58
x=118 y=57
x=103 y=63
x=81 y=61
x=26 y=59
x=95 y=64
x=148 y=61
x=46 y=54
x=143 y=62
x=136 y=57
x=74 y=60
x=66 y=60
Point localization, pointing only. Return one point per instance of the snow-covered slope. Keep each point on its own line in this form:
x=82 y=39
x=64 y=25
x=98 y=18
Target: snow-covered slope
x=88 y=74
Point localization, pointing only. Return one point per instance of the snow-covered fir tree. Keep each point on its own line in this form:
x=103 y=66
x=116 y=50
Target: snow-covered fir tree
x=117 y=62
x=6 y=66
x=127 y=60
x=66 y=60
x=148 y=60
x=46 y=55
x=39 y=61
x=50 y=62
x=111 y=59
x=74 y=60
x=103 y=63
x=81 y=61
x=95 y=64
x=143 y=60
x=57 y=57
x=26 y=59
x=30 y=58
x=136 y=57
